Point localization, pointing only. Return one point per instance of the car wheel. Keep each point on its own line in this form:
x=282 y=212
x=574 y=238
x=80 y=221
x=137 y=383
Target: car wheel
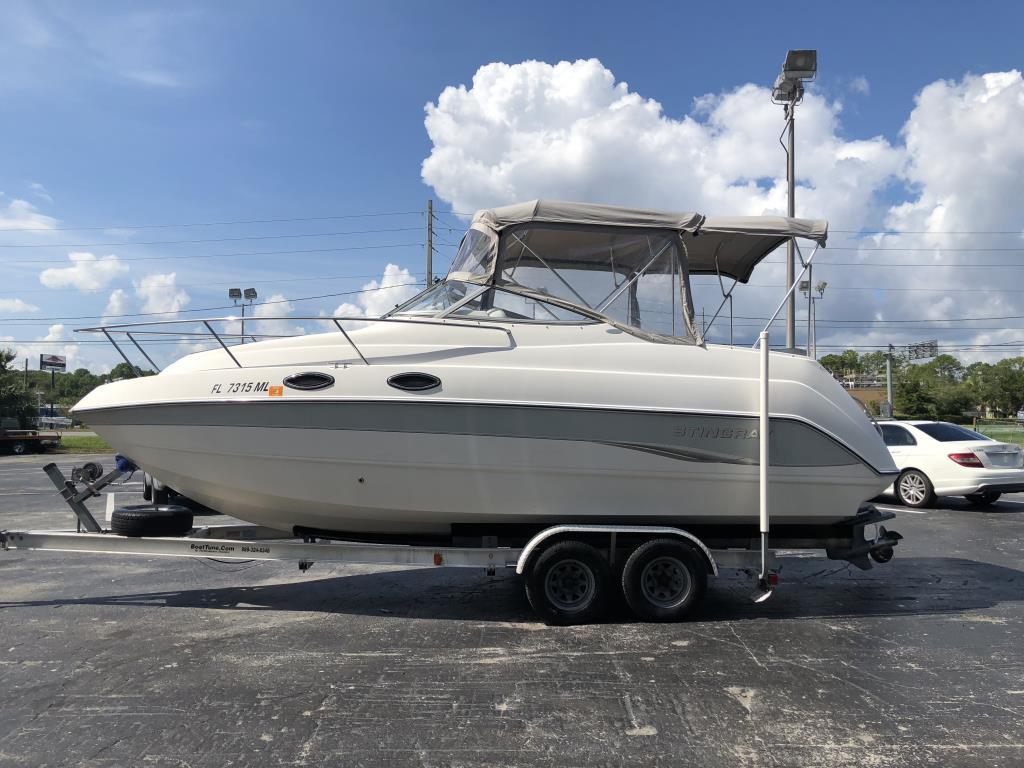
x=985 y=499
x=914 y=489
x=19 y=448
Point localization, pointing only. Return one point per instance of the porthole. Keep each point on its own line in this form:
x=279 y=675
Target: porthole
x=309 y=381
x=414 y=382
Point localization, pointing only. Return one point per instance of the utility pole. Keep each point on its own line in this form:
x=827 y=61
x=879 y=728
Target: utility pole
x=888 y=379
x=26 y=374
x=430 y=243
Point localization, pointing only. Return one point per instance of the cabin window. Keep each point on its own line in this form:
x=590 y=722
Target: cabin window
x=631 y=276
x=475 y=256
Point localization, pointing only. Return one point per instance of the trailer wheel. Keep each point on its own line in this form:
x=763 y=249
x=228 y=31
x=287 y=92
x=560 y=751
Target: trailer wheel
x=146 y=520
x=663 y=580
x=569 y=583
x=19 y=448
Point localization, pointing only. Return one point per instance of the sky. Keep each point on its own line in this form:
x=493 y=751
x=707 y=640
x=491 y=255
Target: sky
x=156 y=154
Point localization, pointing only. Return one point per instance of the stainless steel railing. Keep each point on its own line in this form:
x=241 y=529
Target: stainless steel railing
x=132 y=332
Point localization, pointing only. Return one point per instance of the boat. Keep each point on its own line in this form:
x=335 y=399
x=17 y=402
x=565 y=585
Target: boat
x=555 y=375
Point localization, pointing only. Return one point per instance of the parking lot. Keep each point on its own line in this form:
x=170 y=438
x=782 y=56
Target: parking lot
x=163 y=662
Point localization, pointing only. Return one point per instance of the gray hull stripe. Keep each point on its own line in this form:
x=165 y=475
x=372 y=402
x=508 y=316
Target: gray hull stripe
x=683 y=436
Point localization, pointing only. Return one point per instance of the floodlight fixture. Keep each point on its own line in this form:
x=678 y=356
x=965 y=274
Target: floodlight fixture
x=785 y=90
x=800 y=65
x=250 y=294
x=805 y=286
x=820 y=288
x=234 y=293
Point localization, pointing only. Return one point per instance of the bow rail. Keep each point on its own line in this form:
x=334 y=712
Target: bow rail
x=132 y=332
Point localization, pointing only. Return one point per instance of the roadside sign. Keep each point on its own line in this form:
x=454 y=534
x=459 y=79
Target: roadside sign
x=922 y=350
x=53 y=363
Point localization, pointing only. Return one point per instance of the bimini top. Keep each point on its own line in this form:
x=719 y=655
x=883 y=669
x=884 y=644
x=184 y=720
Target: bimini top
x=728 y=245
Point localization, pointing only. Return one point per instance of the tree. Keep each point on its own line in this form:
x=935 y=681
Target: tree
x=945 y=368
x=15 y=402
x=125 y=371
x=842 y=364
x=914 y=400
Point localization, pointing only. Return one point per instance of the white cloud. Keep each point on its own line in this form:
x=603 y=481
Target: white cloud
x=87 y=272
x=860 y=85
x=21 y=214
x=153 y=77
x=570 y=131
x=40 y=191
x=17 y=305
x=159 y=293
x=396 y=285
x=276 y=306
x=55 y=333
x=118 y=304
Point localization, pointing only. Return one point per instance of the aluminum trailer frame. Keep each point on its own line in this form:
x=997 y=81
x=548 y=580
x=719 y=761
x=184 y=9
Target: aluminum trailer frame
x=845 y=541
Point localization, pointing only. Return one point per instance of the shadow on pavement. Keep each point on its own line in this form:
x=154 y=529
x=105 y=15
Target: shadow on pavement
x=811 y=588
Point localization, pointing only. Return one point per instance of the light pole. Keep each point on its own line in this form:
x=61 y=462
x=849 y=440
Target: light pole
x=812 y=313
x=240 y=298
x=789 y=91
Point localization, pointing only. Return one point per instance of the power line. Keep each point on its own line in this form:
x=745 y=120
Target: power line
x=224 y=255
x=926 y=231
x=46 y=320
x=229 y=282
x=213 y=223
x=894 y=248
x=939 y=289
x=210 y=239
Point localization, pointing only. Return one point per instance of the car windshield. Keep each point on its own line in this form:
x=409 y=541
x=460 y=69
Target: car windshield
x=945 y=432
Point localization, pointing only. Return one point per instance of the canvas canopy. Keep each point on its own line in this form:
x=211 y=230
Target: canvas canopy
x=728 y=245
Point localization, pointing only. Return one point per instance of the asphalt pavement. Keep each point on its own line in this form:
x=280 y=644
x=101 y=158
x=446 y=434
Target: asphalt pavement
x=148 y=661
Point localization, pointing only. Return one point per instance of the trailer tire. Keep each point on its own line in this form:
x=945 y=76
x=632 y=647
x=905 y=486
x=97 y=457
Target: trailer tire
x=569 y=583
x=19 y=448
x=146 y=520
x=664 y=579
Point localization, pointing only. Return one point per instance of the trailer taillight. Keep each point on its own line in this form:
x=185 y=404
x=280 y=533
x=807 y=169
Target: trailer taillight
x=967 y=460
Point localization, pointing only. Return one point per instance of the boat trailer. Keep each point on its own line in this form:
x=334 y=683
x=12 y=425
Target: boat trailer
x=662 y=570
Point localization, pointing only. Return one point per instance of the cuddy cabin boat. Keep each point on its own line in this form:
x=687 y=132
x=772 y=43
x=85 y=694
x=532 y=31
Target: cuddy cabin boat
x=555 y=375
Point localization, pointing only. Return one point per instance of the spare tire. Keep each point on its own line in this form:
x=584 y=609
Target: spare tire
x=150 y=520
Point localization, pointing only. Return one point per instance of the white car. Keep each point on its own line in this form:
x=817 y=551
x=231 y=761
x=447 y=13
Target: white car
x=937 y=458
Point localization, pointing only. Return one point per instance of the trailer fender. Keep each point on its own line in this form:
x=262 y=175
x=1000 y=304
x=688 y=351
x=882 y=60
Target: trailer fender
x=647 y=530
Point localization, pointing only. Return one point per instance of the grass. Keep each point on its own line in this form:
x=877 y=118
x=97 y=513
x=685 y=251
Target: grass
x=1005 y=434
x=82 y=444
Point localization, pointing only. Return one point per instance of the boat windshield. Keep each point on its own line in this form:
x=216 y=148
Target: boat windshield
x=539 y=272
x=455 y=298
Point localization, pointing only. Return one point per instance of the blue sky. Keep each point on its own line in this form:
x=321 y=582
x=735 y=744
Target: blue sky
x=132 y=113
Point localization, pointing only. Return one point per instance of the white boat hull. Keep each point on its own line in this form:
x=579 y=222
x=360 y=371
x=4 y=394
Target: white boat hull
x=389 y=482
x=580 y=423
